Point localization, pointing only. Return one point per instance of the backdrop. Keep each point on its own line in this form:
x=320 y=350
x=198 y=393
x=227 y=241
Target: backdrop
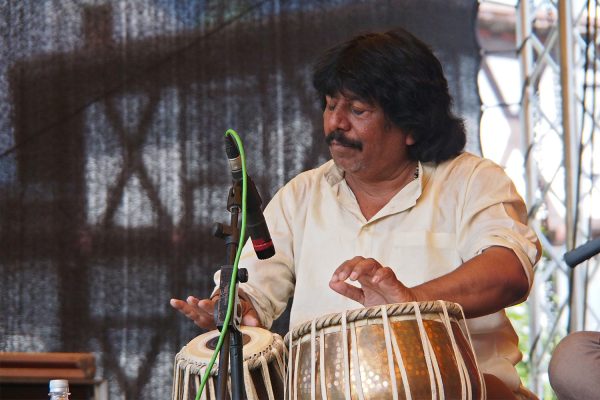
x=112 y=164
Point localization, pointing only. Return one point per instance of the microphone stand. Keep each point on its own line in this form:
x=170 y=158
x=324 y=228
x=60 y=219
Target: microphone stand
x=232 y=349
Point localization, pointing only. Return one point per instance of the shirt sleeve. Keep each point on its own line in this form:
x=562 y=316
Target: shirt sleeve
x=270 y=282
x=494 y=214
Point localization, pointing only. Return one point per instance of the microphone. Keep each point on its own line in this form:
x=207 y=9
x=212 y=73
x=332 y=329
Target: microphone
x=255 y=220
x=582 y=253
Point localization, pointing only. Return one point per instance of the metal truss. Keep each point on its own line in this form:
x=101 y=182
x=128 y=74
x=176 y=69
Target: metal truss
x=555 y=126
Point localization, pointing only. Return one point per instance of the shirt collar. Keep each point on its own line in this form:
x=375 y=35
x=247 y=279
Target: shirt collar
x=403 y=200
x=333 y=174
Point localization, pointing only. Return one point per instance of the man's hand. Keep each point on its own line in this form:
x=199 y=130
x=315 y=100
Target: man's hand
x=201 y=312
x=378 y=284
x=483 y=285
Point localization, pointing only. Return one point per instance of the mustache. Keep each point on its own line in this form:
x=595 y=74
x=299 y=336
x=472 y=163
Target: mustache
x=342 y=139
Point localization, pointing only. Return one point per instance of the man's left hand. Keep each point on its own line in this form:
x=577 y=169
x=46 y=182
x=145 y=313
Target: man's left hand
x=378 y=284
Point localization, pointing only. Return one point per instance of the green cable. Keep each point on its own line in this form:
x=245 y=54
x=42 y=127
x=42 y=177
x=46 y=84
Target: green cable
x=230 y=132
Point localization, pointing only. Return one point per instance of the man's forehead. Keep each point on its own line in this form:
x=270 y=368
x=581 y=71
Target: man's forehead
x=350 y=96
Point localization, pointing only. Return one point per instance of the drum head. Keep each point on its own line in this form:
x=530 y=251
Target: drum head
x=201 y=348
x=366 y=315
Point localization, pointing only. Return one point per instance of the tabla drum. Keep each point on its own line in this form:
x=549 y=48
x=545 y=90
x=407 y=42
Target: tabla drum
x=264 y=366
x=399 y=351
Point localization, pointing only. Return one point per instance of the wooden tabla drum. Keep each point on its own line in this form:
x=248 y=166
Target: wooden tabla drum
x=264 y=366
x=397 y=351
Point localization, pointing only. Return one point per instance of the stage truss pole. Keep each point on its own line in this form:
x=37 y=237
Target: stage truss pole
x=557 y=123
x=550 y=314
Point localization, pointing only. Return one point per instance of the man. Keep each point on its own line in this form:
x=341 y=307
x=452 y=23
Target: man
x=575 y=366
x=400 y=214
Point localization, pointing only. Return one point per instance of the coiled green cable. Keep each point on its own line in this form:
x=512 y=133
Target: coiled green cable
x=232 y=293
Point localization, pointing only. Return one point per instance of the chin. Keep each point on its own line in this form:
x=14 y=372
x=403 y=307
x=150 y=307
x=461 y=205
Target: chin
x=347 y=165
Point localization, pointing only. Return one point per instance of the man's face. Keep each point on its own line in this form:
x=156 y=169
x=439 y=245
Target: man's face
x=361 y=140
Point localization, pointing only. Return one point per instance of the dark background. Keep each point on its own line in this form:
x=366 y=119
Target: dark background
x=112 y=167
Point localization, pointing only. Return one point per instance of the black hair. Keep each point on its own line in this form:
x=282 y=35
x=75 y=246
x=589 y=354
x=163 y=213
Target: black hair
x=400 y=73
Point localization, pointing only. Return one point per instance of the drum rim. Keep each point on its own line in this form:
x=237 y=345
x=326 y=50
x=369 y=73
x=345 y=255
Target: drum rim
x=251 y=360
x=358 y=314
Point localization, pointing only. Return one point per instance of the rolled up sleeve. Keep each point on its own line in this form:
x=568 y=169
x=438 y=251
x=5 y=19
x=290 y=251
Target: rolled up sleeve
x=494 y=214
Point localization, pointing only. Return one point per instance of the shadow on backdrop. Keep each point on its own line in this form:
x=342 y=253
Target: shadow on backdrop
x=115 y=168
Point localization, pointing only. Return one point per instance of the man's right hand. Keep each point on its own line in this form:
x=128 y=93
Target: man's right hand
x=201 y=312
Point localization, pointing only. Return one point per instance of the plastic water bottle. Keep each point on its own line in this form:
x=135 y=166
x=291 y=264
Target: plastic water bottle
x=59 y=389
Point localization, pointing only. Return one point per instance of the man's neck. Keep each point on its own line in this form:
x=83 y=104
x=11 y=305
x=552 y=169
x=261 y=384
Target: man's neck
x=373 y=194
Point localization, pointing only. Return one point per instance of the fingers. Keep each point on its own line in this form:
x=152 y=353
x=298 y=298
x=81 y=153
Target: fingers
x=176 y=303
x=250 y=318
x=383 y=276
x=201 y=312
x=366 y=271
x=355 y=269
x=249 y=314
x=348 y=290
x=378 y=284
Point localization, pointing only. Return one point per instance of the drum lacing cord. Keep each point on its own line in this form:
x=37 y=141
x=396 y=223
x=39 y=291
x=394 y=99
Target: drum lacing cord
x=322 y=363
x=265 y=357
x=176 y=376
x=256 y=360
x=465 y=382
x=346 y=362
x=288 y=383
x=279 y=344
x=181 y=391
x=431 y=361
x=355 y=362
x=296 y=371
x=402 y=367
x=250 y=389
x=390 y=356
x=186 y=381
x=313 y=364
x=480 y=374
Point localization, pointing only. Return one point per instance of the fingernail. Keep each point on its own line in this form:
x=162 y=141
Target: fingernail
x=353 y=276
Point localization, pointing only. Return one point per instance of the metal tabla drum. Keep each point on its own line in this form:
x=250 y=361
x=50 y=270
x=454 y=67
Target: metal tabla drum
x=263 y=364
x=397 y=351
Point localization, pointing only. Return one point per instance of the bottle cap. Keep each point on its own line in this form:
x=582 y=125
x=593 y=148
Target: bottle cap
x=59 y=385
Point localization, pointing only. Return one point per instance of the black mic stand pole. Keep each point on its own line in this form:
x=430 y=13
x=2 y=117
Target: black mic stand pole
x=232 y=349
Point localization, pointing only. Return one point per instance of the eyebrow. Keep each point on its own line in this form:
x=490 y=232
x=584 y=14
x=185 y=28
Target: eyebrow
x=354 y=97
x=350 y=97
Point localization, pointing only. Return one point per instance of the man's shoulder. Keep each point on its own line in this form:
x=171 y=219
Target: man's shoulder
x=462 y=169
x=467 y=163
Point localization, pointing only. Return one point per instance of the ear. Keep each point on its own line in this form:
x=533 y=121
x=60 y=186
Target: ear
x=410 y=139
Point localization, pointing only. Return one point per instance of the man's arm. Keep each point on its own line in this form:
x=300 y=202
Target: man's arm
x=492 y=235
x=483 y=285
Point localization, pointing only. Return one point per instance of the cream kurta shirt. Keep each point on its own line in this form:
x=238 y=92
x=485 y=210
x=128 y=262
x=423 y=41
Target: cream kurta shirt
x=446 y=216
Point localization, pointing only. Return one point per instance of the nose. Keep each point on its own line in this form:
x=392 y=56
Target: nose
x=337 y=119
